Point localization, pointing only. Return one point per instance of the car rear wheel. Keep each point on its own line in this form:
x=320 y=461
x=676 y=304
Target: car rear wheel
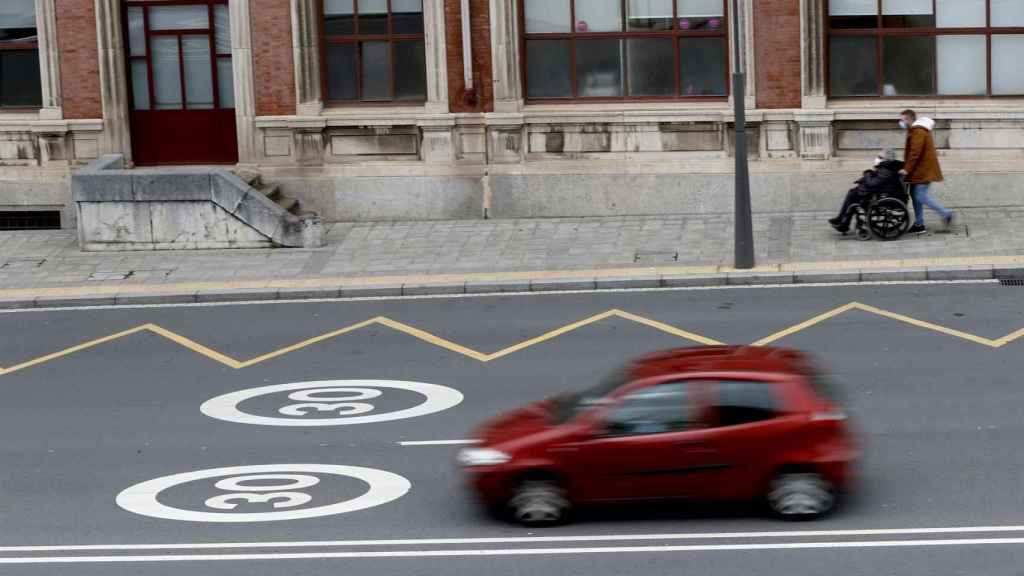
x=801 y=495
x=539 y=503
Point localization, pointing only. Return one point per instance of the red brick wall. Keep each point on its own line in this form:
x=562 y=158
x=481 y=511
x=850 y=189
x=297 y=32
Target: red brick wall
x=777 y=46
x=273 y=65
x=79 y=59
x=483 y=100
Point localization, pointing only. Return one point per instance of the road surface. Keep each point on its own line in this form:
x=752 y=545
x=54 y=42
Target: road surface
x=200 y=439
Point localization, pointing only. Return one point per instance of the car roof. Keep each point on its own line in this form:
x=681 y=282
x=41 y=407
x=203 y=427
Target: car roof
x=722 y=359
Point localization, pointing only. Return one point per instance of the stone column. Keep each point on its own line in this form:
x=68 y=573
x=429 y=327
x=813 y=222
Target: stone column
x=245 y=97
x=437 y=56
x=812 y=65
x=306 y=47
x=49 y=61
x=508 y=90
x=116 y=137
x=745 y=60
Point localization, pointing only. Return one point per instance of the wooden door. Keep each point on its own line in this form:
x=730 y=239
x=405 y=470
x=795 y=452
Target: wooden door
x=181 y=82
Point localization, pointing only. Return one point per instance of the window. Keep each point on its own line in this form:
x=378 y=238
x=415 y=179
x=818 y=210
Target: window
x=654 y=410
x=179 y=56
x=625 y=49
x=744 y=402
x=374 y=51
x=20 y=80
x=913 y=48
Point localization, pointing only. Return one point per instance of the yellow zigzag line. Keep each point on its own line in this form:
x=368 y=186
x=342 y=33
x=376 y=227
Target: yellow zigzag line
x=483 y=357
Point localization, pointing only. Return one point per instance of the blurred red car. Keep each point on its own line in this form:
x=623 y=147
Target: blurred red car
x=710 y=423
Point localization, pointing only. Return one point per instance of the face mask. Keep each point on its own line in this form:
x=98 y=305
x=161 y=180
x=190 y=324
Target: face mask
x=903 y=124
x=877 y=162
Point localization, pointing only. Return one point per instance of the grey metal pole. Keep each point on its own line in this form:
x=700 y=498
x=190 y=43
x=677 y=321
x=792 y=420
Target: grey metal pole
x=744 y=241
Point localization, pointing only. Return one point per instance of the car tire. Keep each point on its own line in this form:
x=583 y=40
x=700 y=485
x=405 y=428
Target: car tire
x=539 y=503
x=800 y=495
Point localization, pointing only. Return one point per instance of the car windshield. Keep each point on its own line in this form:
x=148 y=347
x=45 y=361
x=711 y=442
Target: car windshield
x=568 y=406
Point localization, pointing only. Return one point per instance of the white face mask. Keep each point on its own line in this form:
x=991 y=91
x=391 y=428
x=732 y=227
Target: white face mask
x=877 y=162
x=903 y=124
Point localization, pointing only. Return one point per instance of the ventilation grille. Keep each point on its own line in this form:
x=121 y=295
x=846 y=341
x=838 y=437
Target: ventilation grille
x=1018 y=282
x=29 y=220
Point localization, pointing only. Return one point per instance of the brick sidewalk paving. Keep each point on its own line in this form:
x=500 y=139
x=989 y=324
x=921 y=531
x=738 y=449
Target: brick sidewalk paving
x=450 y=250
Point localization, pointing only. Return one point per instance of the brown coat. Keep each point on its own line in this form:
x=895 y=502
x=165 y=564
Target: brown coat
x=921 y=160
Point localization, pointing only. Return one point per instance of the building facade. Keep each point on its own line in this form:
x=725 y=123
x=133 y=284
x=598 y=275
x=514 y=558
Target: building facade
x=393 y=109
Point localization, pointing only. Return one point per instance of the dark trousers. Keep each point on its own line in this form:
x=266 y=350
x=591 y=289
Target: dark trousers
x=845 y=215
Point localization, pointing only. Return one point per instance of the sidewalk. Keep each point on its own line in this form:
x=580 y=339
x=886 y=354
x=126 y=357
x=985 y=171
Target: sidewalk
x=418 y=258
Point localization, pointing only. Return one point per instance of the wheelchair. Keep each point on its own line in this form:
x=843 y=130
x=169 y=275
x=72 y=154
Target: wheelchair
x=883 y=215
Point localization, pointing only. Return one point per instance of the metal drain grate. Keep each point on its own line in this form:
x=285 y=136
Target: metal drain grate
x=1018 y=282
x=29 y=219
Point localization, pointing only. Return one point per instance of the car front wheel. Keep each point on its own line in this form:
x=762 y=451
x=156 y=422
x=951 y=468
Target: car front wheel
x=800 y=495
x=539 y=503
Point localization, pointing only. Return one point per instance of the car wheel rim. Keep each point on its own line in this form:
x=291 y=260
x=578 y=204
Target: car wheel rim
x=539 y=503
x=801 y=495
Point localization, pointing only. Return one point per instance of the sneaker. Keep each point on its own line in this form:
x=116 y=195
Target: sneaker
x=839 y=225
x=948 y=220
x=917 y=229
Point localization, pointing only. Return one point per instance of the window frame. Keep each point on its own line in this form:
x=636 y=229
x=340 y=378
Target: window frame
x=148 y=33
x=624 y=34
x=879 y=33
x=32 y=45
x=356 y=38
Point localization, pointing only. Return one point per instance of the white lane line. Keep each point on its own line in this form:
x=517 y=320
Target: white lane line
x=514 y=552
x=498 y=295
x=440 y=443
x=526 y=539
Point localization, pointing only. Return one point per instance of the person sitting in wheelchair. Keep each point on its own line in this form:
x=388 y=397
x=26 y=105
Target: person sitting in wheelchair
x=884 y=178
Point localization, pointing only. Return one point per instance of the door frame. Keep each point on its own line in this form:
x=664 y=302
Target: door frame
x=114 y=79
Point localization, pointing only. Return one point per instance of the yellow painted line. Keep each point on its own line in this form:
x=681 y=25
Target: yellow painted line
x=928 y=325
x=484 y=357
x=194 y=346
x=72 y=350
x=805 y=325
x=667 y=328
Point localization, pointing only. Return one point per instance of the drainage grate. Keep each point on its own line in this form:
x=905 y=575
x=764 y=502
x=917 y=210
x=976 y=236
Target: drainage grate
x=29 y=219
x=1018 y=282
x=655 y=256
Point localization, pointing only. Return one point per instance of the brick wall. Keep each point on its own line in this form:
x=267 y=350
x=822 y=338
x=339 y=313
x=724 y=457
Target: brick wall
x=79 y=59
x=273 y=65
x=482 y=75
x=777 y=45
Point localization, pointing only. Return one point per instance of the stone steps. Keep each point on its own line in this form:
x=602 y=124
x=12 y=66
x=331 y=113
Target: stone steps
x=273 y=192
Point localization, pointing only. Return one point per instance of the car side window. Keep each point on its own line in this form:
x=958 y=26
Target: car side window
x=745 y=402
x=655 y=410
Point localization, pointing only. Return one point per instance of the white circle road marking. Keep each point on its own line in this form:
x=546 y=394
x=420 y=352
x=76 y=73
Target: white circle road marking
x=143 y=498
x=225 y=407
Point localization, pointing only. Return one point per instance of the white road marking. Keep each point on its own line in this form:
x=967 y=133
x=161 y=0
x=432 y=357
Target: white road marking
x=144 y=499
x=436 y=399
x=497 y=295
x=781 y=535
x=514 y=552
x=440 y=443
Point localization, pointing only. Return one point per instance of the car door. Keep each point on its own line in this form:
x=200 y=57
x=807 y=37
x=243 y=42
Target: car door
x=648 y=445
x=750 y=430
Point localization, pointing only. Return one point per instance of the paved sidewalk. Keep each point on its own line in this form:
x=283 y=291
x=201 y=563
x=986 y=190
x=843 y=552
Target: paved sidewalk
x=46 y=268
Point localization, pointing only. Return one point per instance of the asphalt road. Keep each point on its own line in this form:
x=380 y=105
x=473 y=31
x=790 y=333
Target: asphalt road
x=935 y=393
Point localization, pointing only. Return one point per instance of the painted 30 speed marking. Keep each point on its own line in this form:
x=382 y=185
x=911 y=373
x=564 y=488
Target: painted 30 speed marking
x=331 y=403
x=284 y=489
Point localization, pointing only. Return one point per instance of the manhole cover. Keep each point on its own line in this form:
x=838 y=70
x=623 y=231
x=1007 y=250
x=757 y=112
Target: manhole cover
x=656 y=256
x=22 y=263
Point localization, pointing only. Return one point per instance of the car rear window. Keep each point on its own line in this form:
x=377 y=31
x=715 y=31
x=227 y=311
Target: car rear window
x=741 y=402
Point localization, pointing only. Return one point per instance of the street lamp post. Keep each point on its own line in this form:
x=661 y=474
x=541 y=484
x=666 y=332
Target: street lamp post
x=744 y=241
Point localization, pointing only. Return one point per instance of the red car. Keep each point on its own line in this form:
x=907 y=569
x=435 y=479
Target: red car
x=709 y=423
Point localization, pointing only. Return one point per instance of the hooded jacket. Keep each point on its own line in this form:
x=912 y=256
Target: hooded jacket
x=921 y=159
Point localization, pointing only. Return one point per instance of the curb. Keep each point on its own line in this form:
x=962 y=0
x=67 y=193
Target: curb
x=484 y=287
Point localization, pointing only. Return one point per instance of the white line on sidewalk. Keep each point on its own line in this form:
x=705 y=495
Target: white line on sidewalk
x=953 y=530
x=513 y=552
x=440 y=443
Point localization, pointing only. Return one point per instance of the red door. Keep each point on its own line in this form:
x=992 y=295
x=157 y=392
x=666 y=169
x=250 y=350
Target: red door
x=182 y=85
